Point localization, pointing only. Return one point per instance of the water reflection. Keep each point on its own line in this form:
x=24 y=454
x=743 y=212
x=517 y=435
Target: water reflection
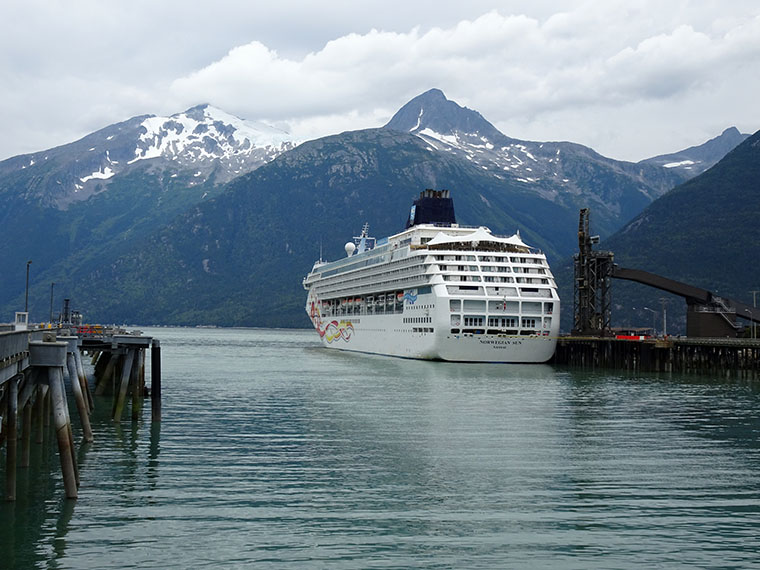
x=276 y=451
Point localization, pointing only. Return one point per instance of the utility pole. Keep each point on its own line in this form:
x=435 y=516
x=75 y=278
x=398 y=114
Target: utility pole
x=51 y=301
x=26 y=294
x=664 y=302
x=654 y=316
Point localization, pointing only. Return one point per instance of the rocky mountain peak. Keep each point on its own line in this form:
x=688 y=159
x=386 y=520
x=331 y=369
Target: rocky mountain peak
x=201 y=142
x=432 y=112
x=697 y=159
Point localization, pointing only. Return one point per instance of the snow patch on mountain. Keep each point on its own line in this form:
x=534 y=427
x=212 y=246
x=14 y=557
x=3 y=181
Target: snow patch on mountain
x=101 y=174
x=478 y=149
x=686 y=163
x=419 y=121
x=206 y=134
x=202 y=144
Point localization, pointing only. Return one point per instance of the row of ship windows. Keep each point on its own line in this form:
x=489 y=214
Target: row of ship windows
x=494 y=279
x=388 y=275
x=492 y=259
x=494 y=269
x=417 y=320
x=390 y=302
x=340 y=288
x=477 y=291
x=500 y=332
x=512 y=322
x=395 y=278
x=393 y=302
x=530 y=307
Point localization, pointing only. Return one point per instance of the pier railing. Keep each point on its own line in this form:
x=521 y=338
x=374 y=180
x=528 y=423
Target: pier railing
x=13 y=344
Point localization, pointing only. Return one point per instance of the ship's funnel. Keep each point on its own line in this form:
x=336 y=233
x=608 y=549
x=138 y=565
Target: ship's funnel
x=432 y=207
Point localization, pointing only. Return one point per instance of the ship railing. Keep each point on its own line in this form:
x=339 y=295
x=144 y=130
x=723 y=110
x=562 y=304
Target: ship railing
x=482 y=246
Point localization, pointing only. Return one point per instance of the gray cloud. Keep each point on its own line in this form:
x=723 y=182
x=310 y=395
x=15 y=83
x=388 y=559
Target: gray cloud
x=630 y=81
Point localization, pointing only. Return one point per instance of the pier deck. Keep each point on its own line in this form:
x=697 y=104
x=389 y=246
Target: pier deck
x=34 y=368
x=699 y=355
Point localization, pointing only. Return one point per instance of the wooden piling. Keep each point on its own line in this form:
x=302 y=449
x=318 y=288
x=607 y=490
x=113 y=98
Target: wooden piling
x=104 y=381
x=100 y=364
x=142 y=372
x=70 y=429
x=26 y=435
x=126 y=373
x=38 y=413
x=155 y=380
x=47 y=407
x=137 y=392
x=55 y=381
x=3 y=416
x=12 y=438
x=76 y=388
x=27 y=387
x=83 y=381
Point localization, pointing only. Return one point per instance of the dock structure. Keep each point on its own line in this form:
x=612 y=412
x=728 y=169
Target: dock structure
x=35 y=368
x=712 y=343
x=683 y=355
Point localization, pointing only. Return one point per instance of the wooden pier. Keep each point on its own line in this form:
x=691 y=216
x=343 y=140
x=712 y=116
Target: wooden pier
x=35 y=367
x=684 y=355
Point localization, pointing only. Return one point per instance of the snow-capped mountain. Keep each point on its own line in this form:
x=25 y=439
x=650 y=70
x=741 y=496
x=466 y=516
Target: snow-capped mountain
x=134 y=221
x=205 y=134
x=446 y=126
x=696 y=159
x=561 y=172
x=204 y=143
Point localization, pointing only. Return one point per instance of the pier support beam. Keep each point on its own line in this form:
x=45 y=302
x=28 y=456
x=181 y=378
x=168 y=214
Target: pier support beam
x=26 y=435
x=155 y=380
x=11 y=441
x=62 y=432
x=121 y=396
x=83 y=380
x=138 y=378
x=76 y=385
x=38 y=413
x=105 y=379
x=50 y=356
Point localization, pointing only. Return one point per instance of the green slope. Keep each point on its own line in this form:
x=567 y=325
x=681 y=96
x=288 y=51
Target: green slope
x=704 y=232
x=239 y=259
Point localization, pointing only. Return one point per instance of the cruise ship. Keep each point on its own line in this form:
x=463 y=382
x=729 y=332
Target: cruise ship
x=437 y=291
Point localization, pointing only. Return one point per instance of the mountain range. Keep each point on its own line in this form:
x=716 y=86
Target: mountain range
x=697 y=159
x=704 y=233
x=205 y=218
x=203 y=143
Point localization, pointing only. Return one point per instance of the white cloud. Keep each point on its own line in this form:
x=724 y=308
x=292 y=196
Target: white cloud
x=609 y=74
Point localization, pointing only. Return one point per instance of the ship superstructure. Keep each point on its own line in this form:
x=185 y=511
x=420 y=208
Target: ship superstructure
x=437 y=291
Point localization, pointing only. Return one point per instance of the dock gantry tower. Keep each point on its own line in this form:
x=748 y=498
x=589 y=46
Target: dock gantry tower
x=592 y=297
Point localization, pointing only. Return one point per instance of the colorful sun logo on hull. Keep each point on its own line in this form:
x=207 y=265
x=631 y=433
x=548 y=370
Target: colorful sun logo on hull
x=332 y=331
x=338 y=330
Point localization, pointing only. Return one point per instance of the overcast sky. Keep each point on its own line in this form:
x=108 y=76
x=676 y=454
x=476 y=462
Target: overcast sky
x=629 y=79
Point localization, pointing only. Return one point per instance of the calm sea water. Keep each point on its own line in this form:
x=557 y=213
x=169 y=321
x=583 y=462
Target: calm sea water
x=274 y=452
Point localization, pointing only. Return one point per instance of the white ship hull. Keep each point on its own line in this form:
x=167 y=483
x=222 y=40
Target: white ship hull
x=436 y=346
x=437 y=291
x=397 y=335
